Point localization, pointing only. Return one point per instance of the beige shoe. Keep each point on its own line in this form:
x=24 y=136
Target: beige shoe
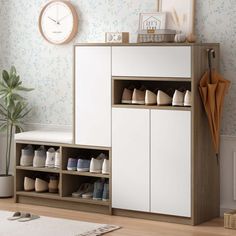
x=29 y=184
x=138 y=97
x=41 y=185
x=163 y=99
x=127 y=96
x=150 y=98
x=53 y=184
x=178 y=98
x=188 y=99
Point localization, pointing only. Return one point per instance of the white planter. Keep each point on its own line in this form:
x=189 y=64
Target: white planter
x=6 y=186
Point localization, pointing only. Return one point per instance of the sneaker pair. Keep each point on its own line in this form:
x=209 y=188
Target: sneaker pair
x=81 y=165
x=101 y=190
x=40 y=158
x=40 y=185
x=100 y=165
x=182 y=98
x=85 y=191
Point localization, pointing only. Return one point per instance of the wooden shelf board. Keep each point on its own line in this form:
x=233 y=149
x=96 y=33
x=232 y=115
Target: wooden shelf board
x=67 y=172
x=30 y=168
x=39 y=195
x=87 y=201
x=152 y=107
x=166 y=79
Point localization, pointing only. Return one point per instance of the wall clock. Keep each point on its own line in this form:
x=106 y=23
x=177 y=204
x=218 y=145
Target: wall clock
x=58 y=22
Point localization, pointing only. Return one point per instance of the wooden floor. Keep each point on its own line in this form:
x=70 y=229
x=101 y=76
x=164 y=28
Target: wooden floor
x=130 y=227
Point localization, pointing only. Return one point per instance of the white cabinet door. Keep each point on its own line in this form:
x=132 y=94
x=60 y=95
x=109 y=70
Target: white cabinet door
x=171 y=162
x=93 y=96
x=130 y=159
x=152 y=61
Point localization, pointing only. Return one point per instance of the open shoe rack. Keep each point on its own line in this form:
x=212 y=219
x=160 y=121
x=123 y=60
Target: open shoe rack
x=69 y=180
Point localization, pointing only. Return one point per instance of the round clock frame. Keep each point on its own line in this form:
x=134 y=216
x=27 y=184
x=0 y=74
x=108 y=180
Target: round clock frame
x=75 y=22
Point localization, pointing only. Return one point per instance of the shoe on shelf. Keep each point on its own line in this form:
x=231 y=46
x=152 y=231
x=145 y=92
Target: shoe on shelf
x=57 y=159
x=98 y=190
x=39 y=157
x=138 y=97
x=150 y=98
x=178 y=98
x=29 y=184
x=72 y=164
x=89 y=192
x=163 y=99
x=188 y=99
x=83 y=165
x=105 y=167
x=53 y=184
x=84 y=188
x=105 y=194
x=27 y=156
x=96 y=164
x=50 y=160
x=127 y=96
x=41 y=186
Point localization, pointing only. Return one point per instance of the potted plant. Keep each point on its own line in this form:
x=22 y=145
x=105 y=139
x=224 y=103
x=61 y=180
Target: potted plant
x=13 y=109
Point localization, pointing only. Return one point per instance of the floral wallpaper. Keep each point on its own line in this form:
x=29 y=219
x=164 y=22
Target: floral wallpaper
x=49 y=68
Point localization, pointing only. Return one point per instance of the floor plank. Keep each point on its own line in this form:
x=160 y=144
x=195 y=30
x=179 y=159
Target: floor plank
x=130 y=227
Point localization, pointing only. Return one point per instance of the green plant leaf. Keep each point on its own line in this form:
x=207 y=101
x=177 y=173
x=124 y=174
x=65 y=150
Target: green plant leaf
x=21 y=88
x=3 y=127
x=12 y=70
x=6 y=78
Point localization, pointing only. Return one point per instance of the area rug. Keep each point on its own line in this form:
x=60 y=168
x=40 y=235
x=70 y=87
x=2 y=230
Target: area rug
x=48 y=226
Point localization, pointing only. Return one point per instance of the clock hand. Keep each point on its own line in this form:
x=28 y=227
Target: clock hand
x=52 y=19
x=63 y=18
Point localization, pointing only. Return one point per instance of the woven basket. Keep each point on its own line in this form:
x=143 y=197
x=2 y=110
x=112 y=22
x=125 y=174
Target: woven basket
x=156 y=36
x=230 y=220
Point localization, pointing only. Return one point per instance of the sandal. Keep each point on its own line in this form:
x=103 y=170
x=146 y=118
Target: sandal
x=28 y=217
x=17 y=215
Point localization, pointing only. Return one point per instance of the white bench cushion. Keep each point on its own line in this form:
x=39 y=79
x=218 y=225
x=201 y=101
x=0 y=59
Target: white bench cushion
x=45 y=136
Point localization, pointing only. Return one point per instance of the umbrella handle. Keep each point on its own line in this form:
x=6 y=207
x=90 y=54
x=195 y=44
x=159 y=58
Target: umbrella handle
x=210 y=52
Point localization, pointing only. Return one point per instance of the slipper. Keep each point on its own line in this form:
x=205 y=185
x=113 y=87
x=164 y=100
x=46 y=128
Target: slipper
x=17 y=215
x=28 y=217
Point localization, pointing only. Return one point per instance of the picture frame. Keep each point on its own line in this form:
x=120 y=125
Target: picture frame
x=152 y=21
x=185 y=12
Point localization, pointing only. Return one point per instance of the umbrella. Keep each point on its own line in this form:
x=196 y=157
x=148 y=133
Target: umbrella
x=213 y=88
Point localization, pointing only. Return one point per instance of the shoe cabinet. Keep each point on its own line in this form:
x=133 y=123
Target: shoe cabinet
x=163 y=164
x=69 y=181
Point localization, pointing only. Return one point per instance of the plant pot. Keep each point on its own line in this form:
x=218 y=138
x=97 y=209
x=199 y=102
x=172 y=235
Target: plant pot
x=6 y=186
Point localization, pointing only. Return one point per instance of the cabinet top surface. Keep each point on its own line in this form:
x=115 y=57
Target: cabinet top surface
x=147 y=44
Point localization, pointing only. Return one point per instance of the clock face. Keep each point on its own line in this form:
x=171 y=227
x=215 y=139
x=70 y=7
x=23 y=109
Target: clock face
x=58 y=22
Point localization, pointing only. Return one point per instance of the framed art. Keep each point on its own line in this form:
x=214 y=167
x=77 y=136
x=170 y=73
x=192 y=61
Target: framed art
x=152 y=21
x=180 y=14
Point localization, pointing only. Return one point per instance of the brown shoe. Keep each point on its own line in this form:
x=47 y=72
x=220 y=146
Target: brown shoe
x=41 y=185
x=127 y=96
x=29 y=184
x=138 y=97
x=53 y=184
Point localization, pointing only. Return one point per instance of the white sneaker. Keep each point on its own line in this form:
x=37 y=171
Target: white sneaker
x=50 y=160
x=178 y=98
x=163 y=99
x=39 y=157
x=150 y=98
x=105 y=167
x=96 y=164
x=57 y=159
x=188 y=99
x=27 y=156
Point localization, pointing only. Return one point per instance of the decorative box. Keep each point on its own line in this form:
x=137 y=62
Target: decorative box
x=230 y=220
x=117 y=37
